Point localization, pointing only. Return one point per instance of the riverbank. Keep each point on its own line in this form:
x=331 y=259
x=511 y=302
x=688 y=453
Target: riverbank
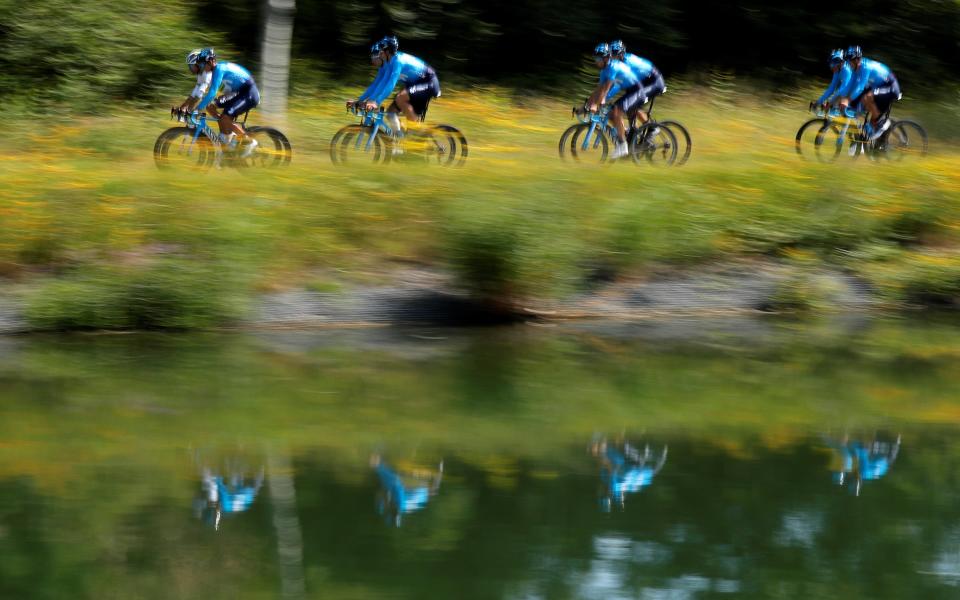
x=92 y=236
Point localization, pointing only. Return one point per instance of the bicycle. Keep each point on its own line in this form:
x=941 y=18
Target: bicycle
x=590 y=139
x=835 y=128
x=198 y=146
x=374 y=140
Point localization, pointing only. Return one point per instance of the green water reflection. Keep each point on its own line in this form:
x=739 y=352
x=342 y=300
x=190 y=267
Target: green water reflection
x=682 y=460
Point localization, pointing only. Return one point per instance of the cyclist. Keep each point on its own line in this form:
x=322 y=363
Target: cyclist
x=874 y=86
x=397 y=497
x=651 y=81
x=624 y=470
x=240 y=95
x=842 y=73
x=203 y=81
x=614 y=77
x=420 y=84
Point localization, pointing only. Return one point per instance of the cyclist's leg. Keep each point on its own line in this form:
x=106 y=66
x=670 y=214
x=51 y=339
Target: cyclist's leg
x=884 y=97
x=403 y=103
x=422 y=92
x=631 y=99
x=246 y=98
x=392 y=117
x=868 y=103
x=653 y=86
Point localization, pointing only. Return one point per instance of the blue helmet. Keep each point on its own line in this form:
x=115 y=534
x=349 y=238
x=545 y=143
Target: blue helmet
x=602 y=50
x=206 y=55
x=854 y=52
x=836 y=57
x=390 y=43
x=375 y=49
x=617 y=47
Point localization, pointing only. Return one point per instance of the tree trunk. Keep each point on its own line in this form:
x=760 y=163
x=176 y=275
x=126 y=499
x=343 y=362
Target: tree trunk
x=283 y=497
x=275 y=55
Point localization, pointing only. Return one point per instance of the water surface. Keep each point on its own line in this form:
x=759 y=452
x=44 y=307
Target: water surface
x=733 y=458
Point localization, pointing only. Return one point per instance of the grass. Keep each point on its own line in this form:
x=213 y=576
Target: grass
x=85 y=215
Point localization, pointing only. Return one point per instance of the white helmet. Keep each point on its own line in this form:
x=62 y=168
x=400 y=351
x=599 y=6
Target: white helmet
x=193 y=57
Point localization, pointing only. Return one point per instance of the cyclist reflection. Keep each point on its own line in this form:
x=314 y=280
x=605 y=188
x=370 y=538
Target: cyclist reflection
x=404 y=494
x=625 y=469
x=228 y=490
x=856 y=461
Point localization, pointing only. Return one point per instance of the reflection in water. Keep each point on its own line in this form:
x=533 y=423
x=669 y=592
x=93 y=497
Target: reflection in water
x=227 y=488
x=625 y=469
x=857 y=460
x=406 y=493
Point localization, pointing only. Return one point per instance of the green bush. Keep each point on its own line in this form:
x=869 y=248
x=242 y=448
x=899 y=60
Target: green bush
x=169 y=293
x=88 y=53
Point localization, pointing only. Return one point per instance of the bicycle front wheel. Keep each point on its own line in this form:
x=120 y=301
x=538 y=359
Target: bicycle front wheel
x=654 y=144
x=356 y=143
x=273 y=148
x=807 y=136
x=176 y=148
x=684 y=143
x=829 y=143
x=585 y=143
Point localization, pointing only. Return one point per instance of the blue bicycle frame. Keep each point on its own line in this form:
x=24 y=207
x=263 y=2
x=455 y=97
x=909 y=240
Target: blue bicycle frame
x=598 y=119
x=199 y=122
x=374 y=120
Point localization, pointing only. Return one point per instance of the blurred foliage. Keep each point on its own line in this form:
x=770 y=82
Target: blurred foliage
x=535 y=43
x=83 y=207
x=84 y=53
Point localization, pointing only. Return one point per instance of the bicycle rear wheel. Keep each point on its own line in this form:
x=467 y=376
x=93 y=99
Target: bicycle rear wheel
x=273 y=149
x=905 y=140
x=684 y=143
x=653 y=144
x=353 y=143
x=175 y=148
x=449 y=146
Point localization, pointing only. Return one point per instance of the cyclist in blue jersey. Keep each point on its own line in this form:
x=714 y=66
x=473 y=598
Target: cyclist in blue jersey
x=842 y=73
x=651 y=81
x=419 y=80
x=615 y=76
x=240 y=94
x=874 y=86
x=398 y=497
x=625 y=469
x=226 y=495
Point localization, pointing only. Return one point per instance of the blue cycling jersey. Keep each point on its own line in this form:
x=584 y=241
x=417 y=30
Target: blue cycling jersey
x=620 y=74
x=402 y=67
x=841 y=79
x=641 y=67
x=871 y=74
x=231 y=76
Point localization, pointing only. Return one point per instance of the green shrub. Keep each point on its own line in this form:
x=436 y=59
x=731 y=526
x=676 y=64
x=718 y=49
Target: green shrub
x=169 y=293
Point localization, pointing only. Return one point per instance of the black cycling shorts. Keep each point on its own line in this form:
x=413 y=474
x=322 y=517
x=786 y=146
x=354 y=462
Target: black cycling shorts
x=884 y=96
x=422 y=91
x=245 y=98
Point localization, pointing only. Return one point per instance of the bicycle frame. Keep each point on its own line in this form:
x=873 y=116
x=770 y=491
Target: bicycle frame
x=200 y=126
x=374 y=119
x=602 y=119
x=599 y=119
x=846 y=119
